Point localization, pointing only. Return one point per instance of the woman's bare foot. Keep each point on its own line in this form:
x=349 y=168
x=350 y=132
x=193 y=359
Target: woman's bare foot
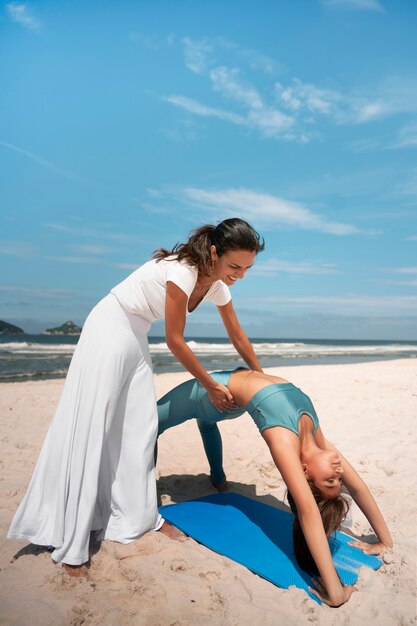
x=76 y=571
x=173 y=533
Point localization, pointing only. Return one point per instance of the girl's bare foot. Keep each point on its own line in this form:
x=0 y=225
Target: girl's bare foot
x=76 y=571
x=173 y=533
x=224 y=486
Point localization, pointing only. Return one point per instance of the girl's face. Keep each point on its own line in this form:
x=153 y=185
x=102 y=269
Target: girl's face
x=231 y=265
x=325 y=471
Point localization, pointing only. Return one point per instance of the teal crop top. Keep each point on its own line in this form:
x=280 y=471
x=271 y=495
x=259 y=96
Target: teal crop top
x=281 y=404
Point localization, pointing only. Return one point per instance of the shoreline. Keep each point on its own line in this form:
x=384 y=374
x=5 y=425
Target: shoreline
x=176 y=368
x=368 y=409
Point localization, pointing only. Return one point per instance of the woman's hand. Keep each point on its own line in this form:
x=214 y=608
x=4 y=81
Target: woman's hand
x=368 y=548
x=321 y=593
x=221 y=397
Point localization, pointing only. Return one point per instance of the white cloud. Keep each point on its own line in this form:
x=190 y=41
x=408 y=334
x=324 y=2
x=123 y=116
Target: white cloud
x=270 y=122
x=91 y=260
x=275 y=125
x=406 y=137
x=258 y=61
x=94 y=250
x=83 y=260
x=309 y=97
x=360 y=5
x=17 y=248
x=21 y=13
x=390 y=98
x=49 y=165
x=228 y=82
x=401 y=283
x=95 y=234
x=192 y=106
x=197 y=54
x=395 y=95
x=146 y=41
x=412 y=238
x=296 y=105
x=201 y=55
x=39 y=292
x=349 y=304
x=368 y=111
x=405 y=270
x=263 y=208
x=278 y=266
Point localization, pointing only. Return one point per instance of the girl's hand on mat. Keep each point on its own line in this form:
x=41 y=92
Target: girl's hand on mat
x=368 y=548
x=320 y=592
x=221 y=397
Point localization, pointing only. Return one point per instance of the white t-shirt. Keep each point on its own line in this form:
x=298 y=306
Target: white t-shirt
x=144 y=291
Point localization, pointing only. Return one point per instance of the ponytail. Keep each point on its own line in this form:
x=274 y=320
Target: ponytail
x=231 y=234
x=332 y=513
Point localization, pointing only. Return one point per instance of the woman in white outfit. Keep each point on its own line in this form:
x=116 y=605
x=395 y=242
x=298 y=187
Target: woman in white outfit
x=96 y=467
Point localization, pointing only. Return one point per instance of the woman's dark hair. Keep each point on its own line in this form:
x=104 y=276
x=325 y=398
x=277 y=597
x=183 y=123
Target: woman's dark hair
x=332 y=513
x=231 y=234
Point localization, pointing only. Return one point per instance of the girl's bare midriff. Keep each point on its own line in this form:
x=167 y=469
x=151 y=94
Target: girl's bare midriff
x=244 y=384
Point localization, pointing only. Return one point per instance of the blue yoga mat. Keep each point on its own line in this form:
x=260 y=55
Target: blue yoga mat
x=259 y=537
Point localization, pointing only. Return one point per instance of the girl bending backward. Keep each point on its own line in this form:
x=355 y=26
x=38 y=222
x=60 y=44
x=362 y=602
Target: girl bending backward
x=312 y=468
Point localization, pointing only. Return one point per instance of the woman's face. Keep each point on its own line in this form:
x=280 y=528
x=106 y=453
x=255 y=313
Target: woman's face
x=231 y=265
x=325 y=471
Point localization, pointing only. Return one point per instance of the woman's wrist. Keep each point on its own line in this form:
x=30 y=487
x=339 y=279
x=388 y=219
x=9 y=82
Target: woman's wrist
x=209 y=384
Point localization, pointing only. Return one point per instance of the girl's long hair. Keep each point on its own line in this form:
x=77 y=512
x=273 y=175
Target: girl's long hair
x=332 y=513
x=231 y=234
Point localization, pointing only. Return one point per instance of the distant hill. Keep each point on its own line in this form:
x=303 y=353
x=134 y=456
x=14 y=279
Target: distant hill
x=10 y=329
x=68 y=328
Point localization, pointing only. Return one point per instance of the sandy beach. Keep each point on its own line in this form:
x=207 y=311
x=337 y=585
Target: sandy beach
x=369 y=410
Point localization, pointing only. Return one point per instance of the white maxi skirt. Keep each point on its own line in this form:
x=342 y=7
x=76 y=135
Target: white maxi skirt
x=96 y=468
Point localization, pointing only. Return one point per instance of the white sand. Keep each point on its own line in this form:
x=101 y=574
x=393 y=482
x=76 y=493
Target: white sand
x=368 y=410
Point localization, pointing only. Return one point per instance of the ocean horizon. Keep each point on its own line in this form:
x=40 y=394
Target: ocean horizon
x=40 y=357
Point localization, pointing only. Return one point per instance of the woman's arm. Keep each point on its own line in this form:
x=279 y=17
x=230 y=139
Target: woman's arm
x=238 y=337
x=365 y=501
x=175 y=316
x=286 y=457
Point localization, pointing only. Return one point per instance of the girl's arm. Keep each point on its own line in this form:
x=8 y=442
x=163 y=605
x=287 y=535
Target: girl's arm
x=286 y=456
x=238 y=337
x=175 y=316
x=362 y=496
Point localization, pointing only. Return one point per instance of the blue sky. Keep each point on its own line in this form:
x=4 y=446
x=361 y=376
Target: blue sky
x=125 y=124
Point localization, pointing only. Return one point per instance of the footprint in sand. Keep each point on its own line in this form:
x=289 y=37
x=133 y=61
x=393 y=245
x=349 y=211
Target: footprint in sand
x=82 y=614
x=387 y=472
x=178 y=566
x=23 y=445
x=210 y=576
x=60 y=581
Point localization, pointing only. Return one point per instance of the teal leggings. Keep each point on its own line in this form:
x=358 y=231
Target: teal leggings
x=190 y=401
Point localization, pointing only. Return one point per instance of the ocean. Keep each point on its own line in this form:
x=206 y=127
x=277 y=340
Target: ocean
x=40 y=357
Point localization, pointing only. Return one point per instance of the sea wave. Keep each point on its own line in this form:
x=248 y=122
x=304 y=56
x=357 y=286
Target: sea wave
x=294 y=349
x=37 y=375
x=26 y=347
x=283 y=349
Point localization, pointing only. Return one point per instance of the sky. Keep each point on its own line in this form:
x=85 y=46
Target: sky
x=123 y=125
